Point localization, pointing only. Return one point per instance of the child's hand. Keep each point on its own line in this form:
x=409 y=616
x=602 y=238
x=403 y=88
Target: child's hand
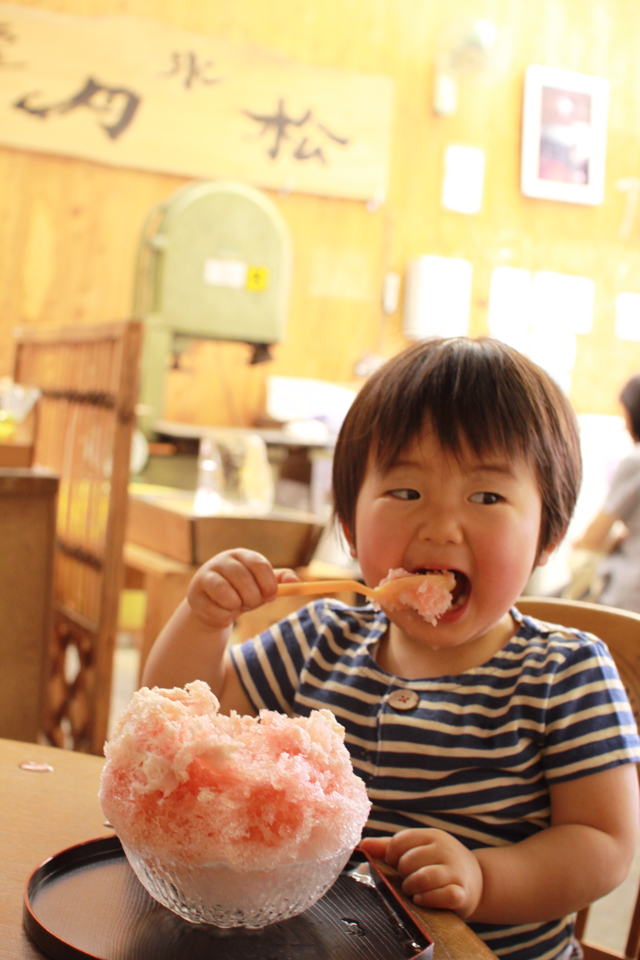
x=438 y=870
x=232 y=582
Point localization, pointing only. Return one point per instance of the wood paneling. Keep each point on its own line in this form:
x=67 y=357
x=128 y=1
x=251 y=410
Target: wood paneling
x=69 y=229
x=27 y=521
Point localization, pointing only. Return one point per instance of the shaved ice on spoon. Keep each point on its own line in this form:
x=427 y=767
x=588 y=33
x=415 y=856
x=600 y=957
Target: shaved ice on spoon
x=429 y=594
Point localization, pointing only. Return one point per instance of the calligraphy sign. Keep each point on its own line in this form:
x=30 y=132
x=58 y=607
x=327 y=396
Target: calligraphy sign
x=137 y=93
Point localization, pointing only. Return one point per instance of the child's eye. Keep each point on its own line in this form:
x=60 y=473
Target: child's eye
x=403 y=494
x=486 y=498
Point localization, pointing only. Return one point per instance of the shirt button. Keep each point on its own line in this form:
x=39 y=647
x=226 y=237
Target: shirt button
x=403 y=699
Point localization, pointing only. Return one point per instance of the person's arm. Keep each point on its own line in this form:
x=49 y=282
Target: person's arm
x=193 y=644
x=620 y=504
x=597 y=535
x=585 y=853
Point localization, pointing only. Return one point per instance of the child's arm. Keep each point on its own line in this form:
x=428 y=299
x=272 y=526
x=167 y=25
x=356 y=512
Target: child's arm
x=585 y=853
x=192 y=644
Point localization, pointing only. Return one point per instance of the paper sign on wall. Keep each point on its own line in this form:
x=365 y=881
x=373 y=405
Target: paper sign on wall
x=540 y=315
x=437 y=297
x=463 y=179
x=628 y=316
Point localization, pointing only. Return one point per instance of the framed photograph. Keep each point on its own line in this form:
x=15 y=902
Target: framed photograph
x=564 y=135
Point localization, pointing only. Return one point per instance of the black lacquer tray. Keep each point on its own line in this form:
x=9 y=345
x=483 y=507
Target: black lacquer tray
x=86 y=902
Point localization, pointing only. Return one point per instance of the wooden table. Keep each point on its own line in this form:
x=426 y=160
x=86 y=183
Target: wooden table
x=43 y=813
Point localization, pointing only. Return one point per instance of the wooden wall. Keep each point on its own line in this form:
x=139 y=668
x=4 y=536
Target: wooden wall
x=69 y=229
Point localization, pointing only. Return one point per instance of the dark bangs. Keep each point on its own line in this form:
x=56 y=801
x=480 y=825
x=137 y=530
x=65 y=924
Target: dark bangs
x=476 y=391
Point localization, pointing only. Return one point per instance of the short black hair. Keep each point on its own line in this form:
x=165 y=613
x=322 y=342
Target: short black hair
x=630 y=400
x=479 y=391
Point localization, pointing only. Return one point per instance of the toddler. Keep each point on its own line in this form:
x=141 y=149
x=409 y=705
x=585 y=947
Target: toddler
x=498 y=751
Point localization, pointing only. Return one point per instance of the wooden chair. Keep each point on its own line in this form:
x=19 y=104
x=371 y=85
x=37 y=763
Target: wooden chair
x=620 y=630
x=88 y=377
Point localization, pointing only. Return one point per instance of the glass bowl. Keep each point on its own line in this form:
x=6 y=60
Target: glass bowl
x=222 y=895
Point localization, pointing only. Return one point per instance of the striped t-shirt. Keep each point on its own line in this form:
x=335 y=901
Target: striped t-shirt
x=470 y=754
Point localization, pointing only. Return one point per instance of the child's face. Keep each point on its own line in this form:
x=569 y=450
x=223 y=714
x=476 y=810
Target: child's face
x=479 y=517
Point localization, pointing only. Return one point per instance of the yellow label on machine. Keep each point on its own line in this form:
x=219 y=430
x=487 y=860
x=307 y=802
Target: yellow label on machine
x=257 y=278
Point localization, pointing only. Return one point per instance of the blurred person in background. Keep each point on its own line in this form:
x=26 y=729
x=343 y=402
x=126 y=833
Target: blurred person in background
x=608 y=552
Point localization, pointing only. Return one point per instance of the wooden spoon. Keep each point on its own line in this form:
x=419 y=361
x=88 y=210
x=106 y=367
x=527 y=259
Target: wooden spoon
x=387 y=593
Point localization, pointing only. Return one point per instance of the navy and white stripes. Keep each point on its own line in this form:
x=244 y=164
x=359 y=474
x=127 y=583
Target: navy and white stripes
x=476 y=753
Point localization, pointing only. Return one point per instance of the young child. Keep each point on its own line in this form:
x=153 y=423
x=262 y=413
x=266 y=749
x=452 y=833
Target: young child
x=498 y=752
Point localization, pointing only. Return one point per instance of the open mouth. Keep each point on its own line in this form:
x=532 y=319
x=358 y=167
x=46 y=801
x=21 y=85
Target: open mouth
x=460 y=591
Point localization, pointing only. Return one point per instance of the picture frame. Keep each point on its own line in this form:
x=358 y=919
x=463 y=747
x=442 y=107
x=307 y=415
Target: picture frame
x=564 y=135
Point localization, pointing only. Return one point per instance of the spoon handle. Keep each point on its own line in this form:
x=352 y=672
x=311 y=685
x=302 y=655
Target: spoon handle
x=306 y=588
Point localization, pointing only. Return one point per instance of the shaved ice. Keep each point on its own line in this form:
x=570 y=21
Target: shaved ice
x=429 y=594
x=184 y=783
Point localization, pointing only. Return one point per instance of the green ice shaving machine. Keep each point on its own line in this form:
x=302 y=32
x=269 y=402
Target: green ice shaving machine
x=214 y=262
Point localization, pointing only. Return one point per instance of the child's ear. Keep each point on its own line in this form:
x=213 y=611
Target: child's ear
x=347 y=535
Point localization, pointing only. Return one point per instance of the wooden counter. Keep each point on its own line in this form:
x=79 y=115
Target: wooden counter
x=165 y=520
x=16 y=454
x=27 y=520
